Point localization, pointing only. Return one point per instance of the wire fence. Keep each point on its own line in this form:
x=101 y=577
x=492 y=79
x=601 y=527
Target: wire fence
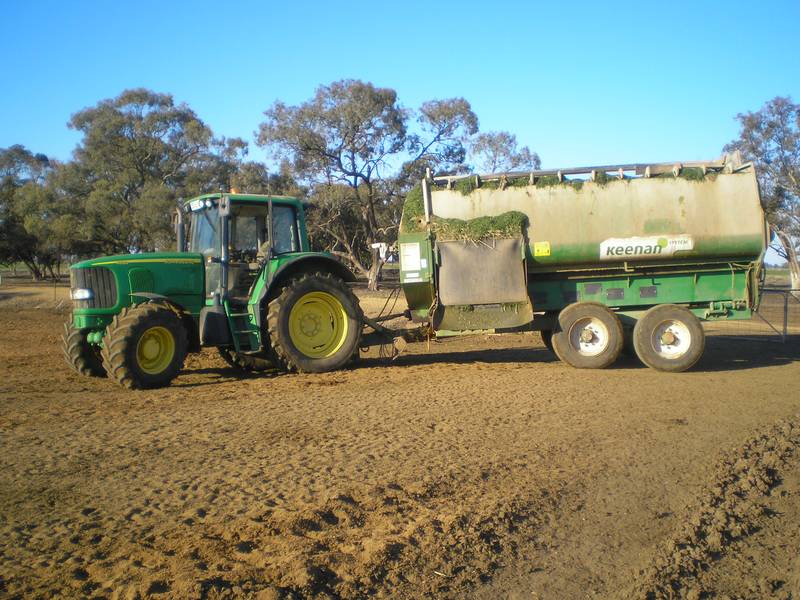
x=776 y=320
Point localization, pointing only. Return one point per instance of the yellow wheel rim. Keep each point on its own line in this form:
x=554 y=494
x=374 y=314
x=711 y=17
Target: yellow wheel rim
x=318 y=325
x=155 y=350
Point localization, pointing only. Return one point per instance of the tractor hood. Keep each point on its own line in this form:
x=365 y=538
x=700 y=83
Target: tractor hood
x=142 y=259
x=105 y=285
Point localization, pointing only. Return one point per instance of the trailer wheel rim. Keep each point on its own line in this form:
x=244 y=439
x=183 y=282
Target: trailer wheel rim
x=589 y=336
x=155 y=350
x=671 y=339
x=318 y=325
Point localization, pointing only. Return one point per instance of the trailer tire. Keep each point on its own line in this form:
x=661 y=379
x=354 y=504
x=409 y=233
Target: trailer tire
x=314 y=324
x=669 y=338
x=547 y=339
x=589 y=336
x=144 y=346
x=83 y=357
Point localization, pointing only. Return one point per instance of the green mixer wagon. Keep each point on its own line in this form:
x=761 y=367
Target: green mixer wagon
x=596 y=259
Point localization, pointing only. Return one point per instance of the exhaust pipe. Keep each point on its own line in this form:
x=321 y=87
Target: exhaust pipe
x=180 y=233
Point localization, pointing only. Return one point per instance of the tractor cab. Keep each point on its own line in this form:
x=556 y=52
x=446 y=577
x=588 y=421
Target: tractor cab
x=238 y=235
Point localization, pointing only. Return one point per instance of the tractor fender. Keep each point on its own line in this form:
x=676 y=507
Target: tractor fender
x=184 y=315
x=159 y=299
x=307 y=263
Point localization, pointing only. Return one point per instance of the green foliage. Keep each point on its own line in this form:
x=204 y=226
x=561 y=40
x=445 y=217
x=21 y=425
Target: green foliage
x=770 y=137
x=693 y=174
x=508 y=224
x=602 y=178
x=547 y=181
x=141 y=152
x=496 y=151
x=690 y=173
x=445 y=127
x=343 y=135
x=413 y=210
x=466 y=185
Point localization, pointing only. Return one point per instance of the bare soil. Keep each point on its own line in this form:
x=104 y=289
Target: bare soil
x=477 y=467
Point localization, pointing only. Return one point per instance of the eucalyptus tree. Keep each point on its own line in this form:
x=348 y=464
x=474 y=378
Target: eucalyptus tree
x=349 y=143
x=770 y=137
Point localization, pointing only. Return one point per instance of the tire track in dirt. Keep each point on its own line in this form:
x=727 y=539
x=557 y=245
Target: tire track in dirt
x=728 y=510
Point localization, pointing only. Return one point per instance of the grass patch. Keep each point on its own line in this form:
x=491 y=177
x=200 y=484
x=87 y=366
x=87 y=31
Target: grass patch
x=689 y=173
x=509 y=224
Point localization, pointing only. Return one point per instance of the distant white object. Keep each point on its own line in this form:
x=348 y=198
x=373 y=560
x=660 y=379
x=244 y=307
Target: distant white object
x=382 y=249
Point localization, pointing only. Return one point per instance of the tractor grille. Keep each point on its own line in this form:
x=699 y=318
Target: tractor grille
x=98 y=279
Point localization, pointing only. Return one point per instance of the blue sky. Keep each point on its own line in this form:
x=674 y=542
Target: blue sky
x=579 y=82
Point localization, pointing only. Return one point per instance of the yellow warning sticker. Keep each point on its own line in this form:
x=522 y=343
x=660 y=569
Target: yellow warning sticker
x=541 y=248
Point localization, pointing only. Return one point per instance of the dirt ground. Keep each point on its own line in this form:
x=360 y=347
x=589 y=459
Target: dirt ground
x=479 y=467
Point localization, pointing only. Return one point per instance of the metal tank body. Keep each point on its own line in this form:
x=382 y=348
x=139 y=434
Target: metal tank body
x=664 y=219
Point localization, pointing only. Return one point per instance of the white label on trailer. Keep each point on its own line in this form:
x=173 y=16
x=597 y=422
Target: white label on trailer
x=409 y=257
x=644 y=247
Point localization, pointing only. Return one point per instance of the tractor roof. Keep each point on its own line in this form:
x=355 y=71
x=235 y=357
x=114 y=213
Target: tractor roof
x=248 y=198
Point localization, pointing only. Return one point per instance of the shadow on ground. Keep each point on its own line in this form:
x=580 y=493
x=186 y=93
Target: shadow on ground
x=722 y=353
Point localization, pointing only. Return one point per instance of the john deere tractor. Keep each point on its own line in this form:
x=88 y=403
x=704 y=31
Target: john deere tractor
x=246 y=283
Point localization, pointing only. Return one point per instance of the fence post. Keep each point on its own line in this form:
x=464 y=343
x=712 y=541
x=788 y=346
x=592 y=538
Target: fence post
x=785 y=316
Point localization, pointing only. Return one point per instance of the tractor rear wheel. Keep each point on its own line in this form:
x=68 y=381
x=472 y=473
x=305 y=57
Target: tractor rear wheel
x=589 y=336
x=83 y=357
x=314 y=324
x=245 y=362
x=144 y=346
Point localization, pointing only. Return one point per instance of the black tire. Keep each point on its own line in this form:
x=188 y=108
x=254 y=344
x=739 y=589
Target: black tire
x=685 y=345
x=333 y=351
x=547 y=339
x=83 y=357
x=124 y=360
x=601 y=327
x=245 y=362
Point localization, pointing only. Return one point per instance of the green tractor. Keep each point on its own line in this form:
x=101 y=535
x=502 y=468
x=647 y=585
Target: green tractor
x=246 y=283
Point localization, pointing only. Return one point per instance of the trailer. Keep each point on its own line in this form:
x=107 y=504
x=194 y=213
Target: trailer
x=596 y=258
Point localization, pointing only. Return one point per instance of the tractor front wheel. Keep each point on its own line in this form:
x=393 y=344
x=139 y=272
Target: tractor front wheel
x=144 y=346
x=83 y=357
x=314 y=324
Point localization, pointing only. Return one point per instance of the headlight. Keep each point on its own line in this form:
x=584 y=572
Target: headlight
x=81 y=294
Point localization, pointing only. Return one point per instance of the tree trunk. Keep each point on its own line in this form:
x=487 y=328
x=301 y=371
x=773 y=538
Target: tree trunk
x=791 y=260
x=374 y=270
x=36 y=273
